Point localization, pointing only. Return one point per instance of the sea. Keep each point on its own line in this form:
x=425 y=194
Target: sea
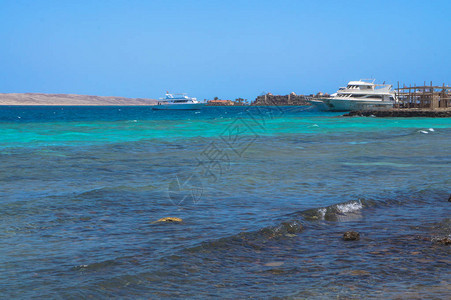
x=264 y=194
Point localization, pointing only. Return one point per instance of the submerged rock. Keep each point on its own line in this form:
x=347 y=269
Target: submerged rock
x=442 y=241
x=288 y=229
x=169 y=219
x=292 y=227
x=351 y=236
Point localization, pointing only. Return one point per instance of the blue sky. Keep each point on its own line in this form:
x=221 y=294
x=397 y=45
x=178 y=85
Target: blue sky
x=227 y=49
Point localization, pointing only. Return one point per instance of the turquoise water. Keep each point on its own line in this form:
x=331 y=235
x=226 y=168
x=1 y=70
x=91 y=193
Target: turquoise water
x=27 y=128
x=81 y=188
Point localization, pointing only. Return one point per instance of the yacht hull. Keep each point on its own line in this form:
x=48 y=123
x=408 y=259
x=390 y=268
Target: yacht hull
x=182 y=106
x=343 y=105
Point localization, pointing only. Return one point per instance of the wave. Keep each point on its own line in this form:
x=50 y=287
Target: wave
x=301 y=243
x=296 y=223
x=292 y=226
x=333 y=212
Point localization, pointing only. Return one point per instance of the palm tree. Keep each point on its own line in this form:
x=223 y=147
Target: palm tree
x=239 y=101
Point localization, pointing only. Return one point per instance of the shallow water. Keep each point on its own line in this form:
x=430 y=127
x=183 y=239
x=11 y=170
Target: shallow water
x=81 y=188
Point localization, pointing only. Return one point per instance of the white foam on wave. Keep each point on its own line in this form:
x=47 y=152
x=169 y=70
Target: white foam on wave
x=349 y=207
x=322 y=212
x=423 y=131
x=431 y=129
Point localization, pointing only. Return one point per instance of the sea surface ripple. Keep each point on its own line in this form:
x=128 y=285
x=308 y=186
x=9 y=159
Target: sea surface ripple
x=265 y=194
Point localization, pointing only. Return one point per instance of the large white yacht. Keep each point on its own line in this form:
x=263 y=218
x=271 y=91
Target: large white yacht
x=178 y=101
x=358 y=95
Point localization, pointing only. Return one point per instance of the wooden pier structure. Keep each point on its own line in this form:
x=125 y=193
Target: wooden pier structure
x=425 y=96
x=415 y=101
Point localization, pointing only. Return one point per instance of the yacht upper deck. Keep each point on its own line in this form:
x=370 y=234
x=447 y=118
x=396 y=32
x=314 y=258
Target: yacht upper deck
x=364 y=86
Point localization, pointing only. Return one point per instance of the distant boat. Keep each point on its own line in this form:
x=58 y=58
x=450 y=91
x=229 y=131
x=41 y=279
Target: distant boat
x=178 y=101
x=358 y=95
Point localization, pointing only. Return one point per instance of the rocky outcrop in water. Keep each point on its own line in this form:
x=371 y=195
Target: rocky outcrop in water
x=351 y=236
x=402 y=113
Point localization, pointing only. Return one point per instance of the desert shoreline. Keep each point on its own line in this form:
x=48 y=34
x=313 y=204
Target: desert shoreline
x=41 y=99
x=68 y=105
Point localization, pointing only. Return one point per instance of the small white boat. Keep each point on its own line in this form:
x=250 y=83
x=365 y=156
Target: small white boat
x=178 y=101
x=358 y=95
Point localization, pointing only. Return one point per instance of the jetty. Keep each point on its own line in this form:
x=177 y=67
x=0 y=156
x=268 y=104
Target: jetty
x=424 y=97
x=416 y=101
x=402 y=113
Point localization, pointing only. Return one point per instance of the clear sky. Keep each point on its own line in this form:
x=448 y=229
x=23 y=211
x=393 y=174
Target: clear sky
x=227 y=49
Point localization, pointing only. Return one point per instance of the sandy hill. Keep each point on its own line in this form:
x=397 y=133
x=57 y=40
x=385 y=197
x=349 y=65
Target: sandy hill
x=68 y=99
